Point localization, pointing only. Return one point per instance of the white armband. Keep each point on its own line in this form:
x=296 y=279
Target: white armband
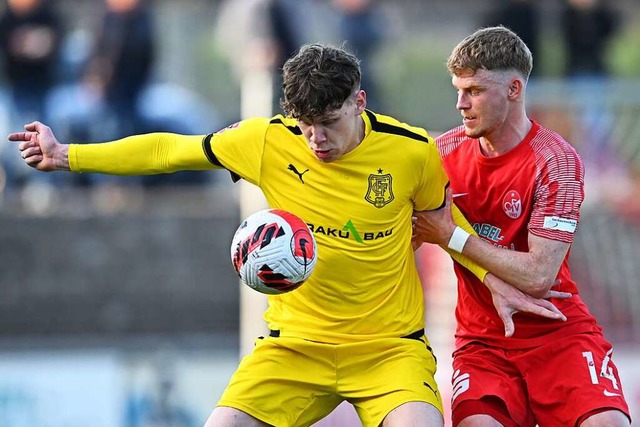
x=458 y=239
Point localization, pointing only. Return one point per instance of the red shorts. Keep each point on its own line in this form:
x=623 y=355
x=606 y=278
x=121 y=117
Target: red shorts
x=553 y=385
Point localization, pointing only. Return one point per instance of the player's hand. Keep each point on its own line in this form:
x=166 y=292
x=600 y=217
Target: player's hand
x=556 y=294
x=509 y=300
x=40 y=149
x=434 y=226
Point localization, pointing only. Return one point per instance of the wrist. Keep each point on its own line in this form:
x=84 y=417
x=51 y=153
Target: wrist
x=62 y=158
x=458 y=239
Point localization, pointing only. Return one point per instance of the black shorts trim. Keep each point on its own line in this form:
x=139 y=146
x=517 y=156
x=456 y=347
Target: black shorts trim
x=417 y=335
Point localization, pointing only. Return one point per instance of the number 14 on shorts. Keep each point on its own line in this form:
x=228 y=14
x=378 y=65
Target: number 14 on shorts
x=606 y=371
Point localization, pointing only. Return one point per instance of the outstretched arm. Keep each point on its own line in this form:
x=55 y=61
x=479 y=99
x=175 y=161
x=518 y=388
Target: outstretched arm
x=135 y=155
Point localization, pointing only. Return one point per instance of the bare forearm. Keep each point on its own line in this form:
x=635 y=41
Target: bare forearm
x=532 y=273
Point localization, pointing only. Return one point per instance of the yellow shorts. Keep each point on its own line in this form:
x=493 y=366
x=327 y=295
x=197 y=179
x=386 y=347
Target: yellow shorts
x=294 y=382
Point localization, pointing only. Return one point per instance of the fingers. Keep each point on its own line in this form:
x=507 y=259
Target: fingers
x=20 y=136
x=557 y=294
x=448 y=199
x=33 y=161
x=550 y=312
x=32 y=130
x=553 y=309
x=35 y=126
x=26 y=145
x=30 y=150
x=31 y=154
x=543 y=308
x=509 y=327
x=539 y=307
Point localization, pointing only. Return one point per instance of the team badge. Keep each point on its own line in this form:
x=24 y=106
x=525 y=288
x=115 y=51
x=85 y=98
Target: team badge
x=512 y=204
x=380 y=191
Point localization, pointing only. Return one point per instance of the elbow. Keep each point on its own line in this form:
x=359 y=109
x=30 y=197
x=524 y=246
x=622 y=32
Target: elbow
x=540 y=287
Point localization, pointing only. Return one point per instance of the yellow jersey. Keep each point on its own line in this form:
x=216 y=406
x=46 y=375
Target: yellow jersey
x=359 y=207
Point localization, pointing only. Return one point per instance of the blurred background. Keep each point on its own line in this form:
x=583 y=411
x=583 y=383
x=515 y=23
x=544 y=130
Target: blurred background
x=118 y=302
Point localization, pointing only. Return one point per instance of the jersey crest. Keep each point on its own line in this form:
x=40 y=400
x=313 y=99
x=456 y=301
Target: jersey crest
x=380 y=191
x=512 y=204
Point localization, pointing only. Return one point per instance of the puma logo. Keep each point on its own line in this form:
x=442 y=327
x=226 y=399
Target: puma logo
x=294 y=170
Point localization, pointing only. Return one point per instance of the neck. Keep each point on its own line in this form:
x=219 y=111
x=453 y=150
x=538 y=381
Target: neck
x=361 y=130
x=357 y=137
x=506 y=137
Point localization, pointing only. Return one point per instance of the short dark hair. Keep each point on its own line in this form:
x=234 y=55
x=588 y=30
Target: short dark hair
x=317 y=79
x=492 y=48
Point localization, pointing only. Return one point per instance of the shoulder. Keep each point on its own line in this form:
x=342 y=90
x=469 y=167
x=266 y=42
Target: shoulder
x=261 y=125
x=388 y=125
x=285 y=123
x=450 y=140
x=552 y=152
x=548 y=144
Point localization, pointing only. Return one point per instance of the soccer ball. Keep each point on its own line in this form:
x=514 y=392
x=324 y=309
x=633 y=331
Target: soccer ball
x=273 y=251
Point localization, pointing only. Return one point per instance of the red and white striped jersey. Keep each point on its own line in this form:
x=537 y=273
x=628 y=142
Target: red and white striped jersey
x=537 y=187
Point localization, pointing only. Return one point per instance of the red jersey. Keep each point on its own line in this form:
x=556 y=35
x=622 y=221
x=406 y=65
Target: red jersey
x=537 y=187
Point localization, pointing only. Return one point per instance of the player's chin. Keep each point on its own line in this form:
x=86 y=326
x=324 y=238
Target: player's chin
x=472 y=132
x=325 y=156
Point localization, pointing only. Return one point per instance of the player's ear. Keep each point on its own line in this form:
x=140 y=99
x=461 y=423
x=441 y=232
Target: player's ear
x=515 y=88
x=361 y=101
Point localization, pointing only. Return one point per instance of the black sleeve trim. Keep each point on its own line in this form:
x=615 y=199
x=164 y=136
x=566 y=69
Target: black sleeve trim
x=395 y=130
x=293 y=129
x=206 y=147
x=208 y=151
x=444 y=201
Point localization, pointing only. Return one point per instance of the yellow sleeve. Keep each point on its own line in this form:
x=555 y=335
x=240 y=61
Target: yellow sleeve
x=461 y=221
x=240 y=148
x=148 y=154
x=431 y=192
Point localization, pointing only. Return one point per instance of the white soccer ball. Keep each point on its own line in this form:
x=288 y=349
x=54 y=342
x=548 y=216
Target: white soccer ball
x=273 y=251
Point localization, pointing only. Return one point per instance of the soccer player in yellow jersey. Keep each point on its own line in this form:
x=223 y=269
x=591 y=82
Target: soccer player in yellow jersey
x=355 y=330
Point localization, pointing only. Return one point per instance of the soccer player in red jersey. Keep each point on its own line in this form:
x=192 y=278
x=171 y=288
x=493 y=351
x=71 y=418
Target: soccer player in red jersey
x=520 y=186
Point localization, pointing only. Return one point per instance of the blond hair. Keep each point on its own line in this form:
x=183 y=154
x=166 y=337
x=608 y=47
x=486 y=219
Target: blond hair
x=492 y=49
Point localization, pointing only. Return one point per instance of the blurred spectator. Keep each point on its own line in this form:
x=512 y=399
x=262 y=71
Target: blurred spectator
x=118 y=70
x=587 y=26
x=520 y=16
x=108 y=91
x=286 y=38
x=123 y=61
x=30 y=36
x=361 y=26
x=256 y=36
